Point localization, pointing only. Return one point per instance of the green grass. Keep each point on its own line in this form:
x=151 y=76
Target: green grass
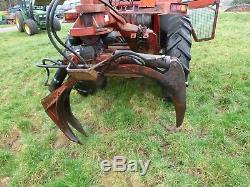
x=6 y=26
x=129 y=118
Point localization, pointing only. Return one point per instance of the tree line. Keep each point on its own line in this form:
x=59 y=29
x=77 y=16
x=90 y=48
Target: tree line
x=5 y=4
x=238 y=2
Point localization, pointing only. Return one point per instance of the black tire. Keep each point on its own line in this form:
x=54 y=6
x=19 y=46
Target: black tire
x=30 y=27
x=19 y=21
x=57 y=24
x=176 y=38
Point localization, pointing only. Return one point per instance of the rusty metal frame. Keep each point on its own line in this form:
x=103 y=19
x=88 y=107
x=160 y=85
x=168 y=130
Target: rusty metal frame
x=97 y=18
x=57 y=103
x=217 y=4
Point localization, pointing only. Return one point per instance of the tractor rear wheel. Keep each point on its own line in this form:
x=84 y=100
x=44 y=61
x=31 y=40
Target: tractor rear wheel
x=177 y=39
x=19 y=21
x=30 y=27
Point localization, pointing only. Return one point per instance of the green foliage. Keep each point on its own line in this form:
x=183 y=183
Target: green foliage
x=5 y=4
x=129 y=118
x=238 y=2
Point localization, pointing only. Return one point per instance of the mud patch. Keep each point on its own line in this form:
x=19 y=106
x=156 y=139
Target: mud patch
x=135 y=181
x=73 y=154
x=202 y=133
x=104 y=130
x=120 y=179
x=4 y=181
x=11 y=140
x=196 y=172
x=61 y=140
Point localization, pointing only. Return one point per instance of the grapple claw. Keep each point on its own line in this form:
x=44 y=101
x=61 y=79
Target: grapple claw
x=57 y=103
x=60 y=110
x=73 y=121
x=175 y=84
x=54 y=105
x=173 y=81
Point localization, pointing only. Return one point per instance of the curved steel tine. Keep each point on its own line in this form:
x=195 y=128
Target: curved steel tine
x=175 y=85
x=173 y=81
x=180 y=109
x=60 y=107
x=69 y=116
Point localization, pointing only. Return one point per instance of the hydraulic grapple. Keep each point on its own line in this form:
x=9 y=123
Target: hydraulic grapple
x=150 y=38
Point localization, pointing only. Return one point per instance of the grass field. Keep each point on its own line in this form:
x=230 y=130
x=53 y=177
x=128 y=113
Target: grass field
x=129 y=118
x=4 y=26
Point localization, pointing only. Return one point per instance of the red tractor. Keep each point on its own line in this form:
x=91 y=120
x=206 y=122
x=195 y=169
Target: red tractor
x=150 y=38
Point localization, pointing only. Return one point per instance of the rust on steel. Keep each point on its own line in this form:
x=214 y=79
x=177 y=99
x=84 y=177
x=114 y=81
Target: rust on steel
x=173 y=81
x=57 y=103
x=57 y=106
x=136 y=56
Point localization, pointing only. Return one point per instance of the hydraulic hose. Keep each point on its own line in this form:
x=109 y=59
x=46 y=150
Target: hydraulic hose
x=48 y=29
x=51 y=18
x=61 y=73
